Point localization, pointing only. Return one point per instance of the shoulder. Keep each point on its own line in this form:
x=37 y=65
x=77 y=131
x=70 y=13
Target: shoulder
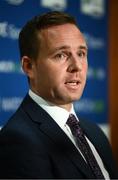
x=20 y=135
x=19 y=128
x=95 y=133
x=91 y=126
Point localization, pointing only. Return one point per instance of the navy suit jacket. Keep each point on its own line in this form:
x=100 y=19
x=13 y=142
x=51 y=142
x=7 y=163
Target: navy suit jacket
x=32 y=145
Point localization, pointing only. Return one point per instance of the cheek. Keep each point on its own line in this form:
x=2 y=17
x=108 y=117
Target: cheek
x=84 y=72
x=55 y=72
x=85 y=68
x=50 y=76
x=50 y=73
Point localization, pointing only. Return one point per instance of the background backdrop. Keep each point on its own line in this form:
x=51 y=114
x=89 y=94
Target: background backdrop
x=92 y=18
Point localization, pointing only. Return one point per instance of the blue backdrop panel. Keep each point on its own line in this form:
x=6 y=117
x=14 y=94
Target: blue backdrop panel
x=92 y=18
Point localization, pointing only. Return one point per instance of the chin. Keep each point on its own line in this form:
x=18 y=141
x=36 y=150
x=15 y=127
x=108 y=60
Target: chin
x=74 y=98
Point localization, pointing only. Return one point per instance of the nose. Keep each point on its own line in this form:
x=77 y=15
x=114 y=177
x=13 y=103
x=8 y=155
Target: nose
x=75 y=65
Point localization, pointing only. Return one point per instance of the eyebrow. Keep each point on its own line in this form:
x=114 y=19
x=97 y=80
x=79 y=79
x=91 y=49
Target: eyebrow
x=84 y=47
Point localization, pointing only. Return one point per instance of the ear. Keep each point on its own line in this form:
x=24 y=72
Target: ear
x=27 y=66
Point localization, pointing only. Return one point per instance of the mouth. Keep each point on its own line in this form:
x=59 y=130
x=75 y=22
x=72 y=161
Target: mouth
x=73 y=84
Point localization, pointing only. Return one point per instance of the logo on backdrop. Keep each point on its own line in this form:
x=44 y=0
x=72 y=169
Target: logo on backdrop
x=54 y=4
x=10 y=66
x=9 y=30
x=94 y=8
x=98 y=73
x=9 y=103
x=94 y=42
x=87 y=105
x=15 y=2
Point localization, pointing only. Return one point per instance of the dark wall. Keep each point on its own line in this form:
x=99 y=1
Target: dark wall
x=113 y=71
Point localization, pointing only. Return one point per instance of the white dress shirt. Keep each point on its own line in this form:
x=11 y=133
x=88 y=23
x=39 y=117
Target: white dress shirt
x=60 y=116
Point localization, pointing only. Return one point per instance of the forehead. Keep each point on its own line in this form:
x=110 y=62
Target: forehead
x=67 y=34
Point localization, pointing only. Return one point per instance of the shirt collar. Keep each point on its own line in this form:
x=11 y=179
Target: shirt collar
x=60 y=115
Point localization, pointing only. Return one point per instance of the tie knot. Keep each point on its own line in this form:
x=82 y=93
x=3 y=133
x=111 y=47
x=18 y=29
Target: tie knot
x=74 y=125
x=72 y=121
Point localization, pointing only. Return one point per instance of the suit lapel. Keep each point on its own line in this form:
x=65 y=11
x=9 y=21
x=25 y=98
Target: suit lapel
x=65 y=145
x=54 y=132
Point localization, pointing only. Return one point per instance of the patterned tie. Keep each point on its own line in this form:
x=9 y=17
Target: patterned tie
x=84 y=146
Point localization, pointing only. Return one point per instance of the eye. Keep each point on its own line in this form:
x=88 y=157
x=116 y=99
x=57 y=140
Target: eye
x=60 y=56
x=81 y=54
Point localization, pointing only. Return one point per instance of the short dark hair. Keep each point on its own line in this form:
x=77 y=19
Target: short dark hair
x=29 y=42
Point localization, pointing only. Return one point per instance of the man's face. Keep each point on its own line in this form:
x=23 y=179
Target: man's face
x=59 y=73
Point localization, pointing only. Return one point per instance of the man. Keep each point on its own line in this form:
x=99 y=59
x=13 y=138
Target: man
x=37 y=141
